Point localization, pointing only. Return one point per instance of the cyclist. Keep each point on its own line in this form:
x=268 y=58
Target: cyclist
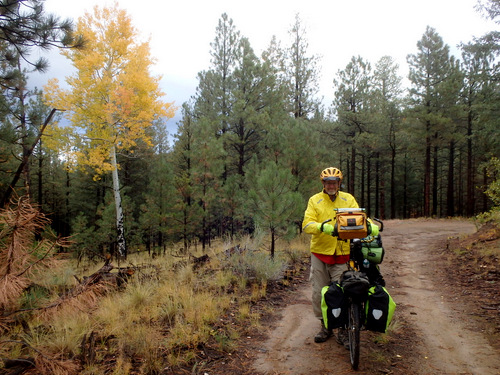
x=328 y=254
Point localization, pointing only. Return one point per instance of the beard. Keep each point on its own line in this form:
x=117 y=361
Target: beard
x=331 y=191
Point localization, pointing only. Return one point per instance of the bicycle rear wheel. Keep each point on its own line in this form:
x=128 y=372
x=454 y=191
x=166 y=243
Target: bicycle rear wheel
x=353 y=332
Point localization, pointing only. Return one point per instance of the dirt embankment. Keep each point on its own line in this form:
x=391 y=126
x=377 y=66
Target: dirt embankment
x=446 y=321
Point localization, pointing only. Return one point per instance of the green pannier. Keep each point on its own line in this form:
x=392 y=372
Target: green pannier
x=333 y=306
x=373 y=254
x=379 y=309
x=373 y=251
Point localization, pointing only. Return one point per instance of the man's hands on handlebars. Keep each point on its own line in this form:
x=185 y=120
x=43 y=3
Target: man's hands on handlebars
x=374 y=230
x=325 y=228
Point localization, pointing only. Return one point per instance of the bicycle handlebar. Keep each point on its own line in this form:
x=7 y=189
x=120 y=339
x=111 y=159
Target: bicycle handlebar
x=379 y=221
x=324 y=222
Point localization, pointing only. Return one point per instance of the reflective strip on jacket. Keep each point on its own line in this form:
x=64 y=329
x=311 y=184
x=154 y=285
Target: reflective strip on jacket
x=320 y=208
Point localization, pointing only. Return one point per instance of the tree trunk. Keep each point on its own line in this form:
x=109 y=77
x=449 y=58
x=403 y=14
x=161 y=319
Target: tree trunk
x=40 y=176
x=381 y=212
x=363 y=184
x=380 y=189
x=485 y=184
x=273 y=239
x=393 y=183
x=120 y=228
x=367 y=178
x=435 y=180
x=184 y=230
x=405 y=190
x=427 y=175
x=353 y=170
x=26 y=156
x=470 y=173
x=460 y=204
x=450 y=204
x=67 y=196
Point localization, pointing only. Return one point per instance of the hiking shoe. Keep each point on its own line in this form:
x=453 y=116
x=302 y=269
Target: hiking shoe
x=323 y=335
x=343 y=338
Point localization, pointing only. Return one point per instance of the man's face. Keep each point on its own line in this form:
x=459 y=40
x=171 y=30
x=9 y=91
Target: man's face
x=331 y=186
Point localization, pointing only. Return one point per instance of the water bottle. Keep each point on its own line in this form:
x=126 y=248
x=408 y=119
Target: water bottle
x=366 y=263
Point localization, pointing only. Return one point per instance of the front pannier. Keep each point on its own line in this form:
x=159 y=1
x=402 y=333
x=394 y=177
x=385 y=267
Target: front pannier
x=355 y=283
x=373 y=251
x=333 y=306
x=379 y=309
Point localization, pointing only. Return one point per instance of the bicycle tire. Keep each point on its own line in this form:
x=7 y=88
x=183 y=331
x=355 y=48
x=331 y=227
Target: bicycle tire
x=353 y=332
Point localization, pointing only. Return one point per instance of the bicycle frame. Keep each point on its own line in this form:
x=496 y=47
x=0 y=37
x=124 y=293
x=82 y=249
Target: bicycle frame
x=355 y=313
x=356 y=305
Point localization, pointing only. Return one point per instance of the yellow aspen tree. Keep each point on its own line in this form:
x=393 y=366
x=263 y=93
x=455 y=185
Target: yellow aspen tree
x=112 y=97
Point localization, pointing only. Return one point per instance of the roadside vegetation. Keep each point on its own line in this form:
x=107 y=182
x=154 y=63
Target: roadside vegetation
x=144 y=316
x=170 y=312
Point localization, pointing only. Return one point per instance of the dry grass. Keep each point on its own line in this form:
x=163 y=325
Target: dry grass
x=166 y=312
x=393 y=329
x=61 y=334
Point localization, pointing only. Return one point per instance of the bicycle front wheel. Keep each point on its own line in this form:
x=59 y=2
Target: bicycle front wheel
x=353 y=331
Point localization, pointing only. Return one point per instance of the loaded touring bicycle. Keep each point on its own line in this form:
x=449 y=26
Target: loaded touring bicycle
x=359 y=300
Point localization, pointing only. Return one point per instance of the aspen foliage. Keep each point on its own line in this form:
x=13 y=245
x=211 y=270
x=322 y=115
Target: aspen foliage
x=112 y=97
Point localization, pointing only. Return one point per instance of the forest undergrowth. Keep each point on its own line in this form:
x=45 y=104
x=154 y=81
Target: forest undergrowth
x=147 y=315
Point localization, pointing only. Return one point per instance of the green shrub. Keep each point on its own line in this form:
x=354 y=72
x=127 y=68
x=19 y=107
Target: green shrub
x=256 y=265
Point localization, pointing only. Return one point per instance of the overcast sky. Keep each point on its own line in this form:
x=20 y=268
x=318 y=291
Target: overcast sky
x=181 y=32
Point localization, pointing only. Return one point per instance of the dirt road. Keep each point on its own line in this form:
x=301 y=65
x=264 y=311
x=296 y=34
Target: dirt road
x=433 y=334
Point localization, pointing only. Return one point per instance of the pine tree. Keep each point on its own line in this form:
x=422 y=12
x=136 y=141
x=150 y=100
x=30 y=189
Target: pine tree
x=254 y=96
x=24 y=26
x=301 y=73
x=208 y=155
x=479 y=95
x=224 y=54
x=184 y=217
x=351 y=105
x=387 y=102
x=273 y=201
x=429 y=69
x=302 y=149
x=157 y=199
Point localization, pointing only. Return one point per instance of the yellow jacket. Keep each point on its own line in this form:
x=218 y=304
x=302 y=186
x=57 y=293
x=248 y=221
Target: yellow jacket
x=320 y=208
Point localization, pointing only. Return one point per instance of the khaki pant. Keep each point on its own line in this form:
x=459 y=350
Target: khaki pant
x=322 y=274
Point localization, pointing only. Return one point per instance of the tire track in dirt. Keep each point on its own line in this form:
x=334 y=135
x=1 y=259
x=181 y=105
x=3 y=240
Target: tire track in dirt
x=291 y=350
x=449 y=347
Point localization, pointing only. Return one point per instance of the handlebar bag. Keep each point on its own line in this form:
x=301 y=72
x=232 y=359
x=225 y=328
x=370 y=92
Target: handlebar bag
x=333 y=306
x=351 y=224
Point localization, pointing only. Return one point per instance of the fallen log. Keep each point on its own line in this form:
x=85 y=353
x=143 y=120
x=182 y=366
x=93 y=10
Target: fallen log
x=198 y=261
